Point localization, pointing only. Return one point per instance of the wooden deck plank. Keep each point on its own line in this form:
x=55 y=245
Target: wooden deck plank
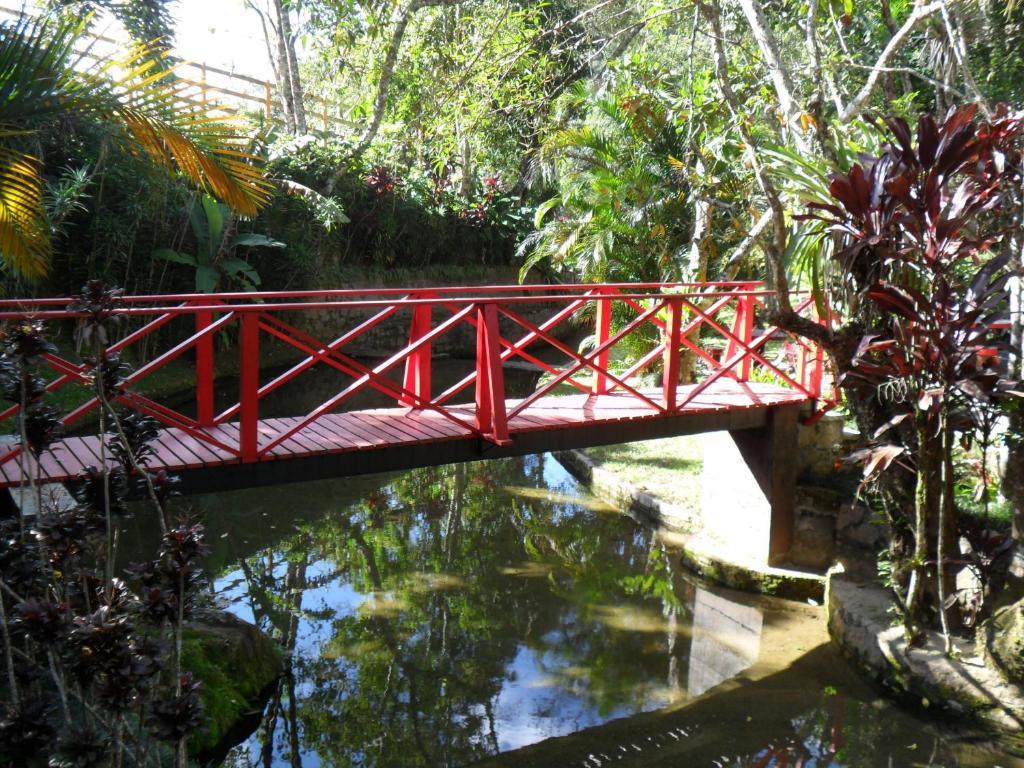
x=420 y=431
x=331 y=434
x=209 y=455
x=272 y=429
x=345 y=427
x=433 y=421
x=402 y=429
x=67 y=458
x=403 y=426
x=293 y=445
x=434 y=424
x=167 y=443
x=48 y=465
x=85 y=450
x=324 y=443
x=383 y=425
x=312 y=446
x=187 y=447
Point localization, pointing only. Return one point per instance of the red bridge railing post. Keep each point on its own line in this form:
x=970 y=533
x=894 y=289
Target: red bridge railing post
x=204 y=367
x=812 y=368
x=811 y=361
x=602 y=332
x=491 y=416
x=743 y=329
x=248 y=386
x=417 y=364
x=673 y=341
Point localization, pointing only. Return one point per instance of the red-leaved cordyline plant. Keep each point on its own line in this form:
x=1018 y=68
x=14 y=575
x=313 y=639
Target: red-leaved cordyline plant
x=92 y=662
x=917 y=233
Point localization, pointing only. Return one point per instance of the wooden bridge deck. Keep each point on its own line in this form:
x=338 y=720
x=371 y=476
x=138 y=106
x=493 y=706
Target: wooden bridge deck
x=358 y=442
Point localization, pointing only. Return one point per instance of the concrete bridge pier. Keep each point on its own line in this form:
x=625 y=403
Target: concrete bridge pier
x=749 y=487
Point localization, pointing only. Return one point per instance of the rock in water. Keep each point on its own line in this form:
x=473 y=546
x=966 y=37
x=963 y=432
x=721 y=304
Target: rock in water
x=1004 y=641
x=239 y=666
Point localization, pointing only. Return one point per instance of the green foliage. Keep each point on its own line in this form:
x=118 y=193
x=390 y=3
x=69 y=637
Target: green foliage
x=911 y=227
x=96 y=643
x=43 y=81
x=211 y=224
x=469 y=86
x=804 y=180
x=621 y=212
x=145 y=20
x=394 y=220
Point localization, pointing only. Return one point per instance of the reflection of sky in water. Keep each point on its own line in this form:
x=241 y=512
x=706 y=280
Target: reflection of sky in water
x=533 y=705
x=512 y=607
x=547 y=685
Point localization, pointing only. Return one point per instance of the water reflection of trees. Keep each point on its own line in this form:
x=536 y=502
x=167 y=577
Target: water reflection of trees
x=455 y=572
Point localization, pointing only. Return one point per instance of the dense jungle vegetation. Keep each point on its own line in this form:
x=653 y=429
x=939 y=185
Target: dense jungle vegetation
x=608 y=140
x=867 y=151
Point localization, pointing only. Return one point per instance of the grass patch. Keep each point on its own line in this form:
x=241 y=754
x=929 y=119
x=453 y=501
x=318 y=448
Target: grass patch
x=669 y=468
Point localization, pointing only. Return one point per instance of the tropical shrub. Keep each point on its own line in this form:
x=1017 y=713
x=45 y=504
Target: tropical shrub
x=621 y=210
x=214 y=262
x=394 y=218
x=914 y=231
x=92 y=652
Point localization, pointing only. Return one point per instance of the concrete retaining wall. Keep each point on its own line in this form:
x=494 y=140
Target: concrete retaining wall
x=923 y=676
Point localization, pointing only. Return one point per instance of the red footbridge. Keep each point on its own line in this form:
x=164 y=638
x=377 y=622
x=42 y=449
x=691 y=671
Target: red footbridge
x=659 y=359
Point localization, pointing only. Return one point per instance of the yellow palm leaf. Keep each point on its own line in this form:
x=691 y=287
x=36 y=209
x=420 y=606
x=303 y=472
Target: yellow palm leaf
x=134 y=93
x=24 y=236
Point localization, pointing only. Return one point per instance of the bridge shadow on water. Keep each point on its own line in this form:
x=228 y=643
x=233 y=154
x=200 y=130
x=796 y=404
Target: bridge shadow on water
x=496 y=612
x=813 y=712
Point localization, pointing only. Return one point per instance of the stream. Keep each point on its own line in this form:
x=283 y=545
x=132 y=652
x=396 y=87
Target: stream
x=443 y=616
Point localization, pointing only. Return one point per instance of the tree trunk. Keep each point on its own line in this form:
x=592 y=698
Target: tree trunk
x=696 y=267
x=286 y=47
x=775 y=246
x=1013 y=472
x=918 y=577
x=946 y=538
x=387 y=71
x=860 y=101
x=1013 y=490
x=777 y=71
x=890 y=24
x=284 y=80
x=467 y=167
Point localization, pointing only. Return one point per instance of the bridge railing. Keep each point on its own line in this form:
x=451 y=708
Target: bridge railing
x=715 y=324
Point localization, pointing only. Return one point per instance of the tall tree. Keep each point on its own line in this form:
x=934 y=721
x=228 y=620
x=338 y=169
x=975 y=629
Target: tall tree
x=280 y=35
x=287 y=38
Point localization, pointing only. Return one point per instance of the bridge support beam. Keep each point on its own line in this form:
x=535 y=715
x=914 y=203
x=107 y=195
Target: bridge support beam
x=749 y=486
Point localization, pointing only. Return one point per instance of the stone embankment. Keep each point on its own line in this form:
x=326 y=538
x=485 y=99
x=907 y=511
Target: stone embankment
x=922 y=675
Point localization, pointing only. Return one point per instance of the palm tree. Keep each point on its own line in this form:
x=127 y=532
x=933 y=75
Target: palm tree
x=622 y=212
x=140 y=102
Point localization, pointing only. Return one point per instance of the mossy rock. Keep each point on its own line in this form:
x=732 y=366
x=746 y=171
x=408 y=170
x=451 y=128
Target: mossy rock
x=238 y=666
x=1004 y=641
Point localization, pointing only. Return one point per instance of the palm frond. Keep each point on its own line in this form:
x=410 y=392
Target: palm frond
x=153 y=112
x=24 y=236
x=160 y=114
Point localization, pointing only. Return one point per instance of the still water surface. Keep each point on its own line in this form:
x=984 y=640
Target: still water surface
x=444 y=615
